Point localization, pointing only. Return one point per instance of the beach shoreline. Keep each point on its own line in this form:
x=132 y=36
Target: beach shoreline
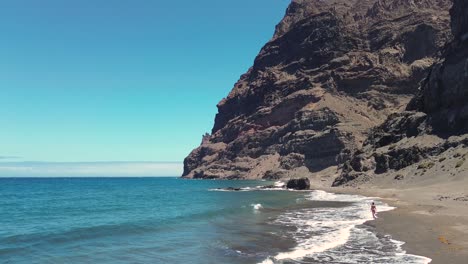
x=430 y=224
x=431 y=220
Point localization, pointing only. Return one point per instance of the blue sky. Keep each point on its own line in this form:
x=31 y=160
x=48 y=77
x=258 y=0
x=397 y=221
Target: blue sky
x=128 y=81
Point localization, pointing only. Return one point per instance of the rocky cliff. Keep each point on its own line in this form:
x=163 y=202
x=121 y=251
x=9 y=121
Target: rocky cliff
x=333 y=71
x=428 y=140
x=444 y=94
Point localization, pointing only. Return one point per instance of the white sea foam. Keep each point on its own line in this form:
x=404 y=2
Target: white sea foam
x=276 y=187
x=336 y=233
x=256 y=207
x=279 y=184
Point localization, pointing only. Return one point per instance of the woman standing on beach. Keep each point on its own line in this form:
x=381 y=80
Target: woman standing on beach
x=374 y=210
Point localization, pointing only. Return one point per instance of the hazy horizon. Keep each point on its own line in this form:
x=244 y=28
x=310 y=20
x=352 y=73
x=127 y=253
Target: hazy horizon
x=90 y=169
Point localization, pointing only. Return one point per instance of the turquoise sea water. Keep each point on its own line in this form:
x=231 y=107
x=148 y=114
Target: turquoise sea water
x=170 y=220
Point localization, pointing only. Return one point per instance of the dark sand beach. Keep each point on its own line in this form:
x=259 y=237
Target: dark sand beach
x=432 y=219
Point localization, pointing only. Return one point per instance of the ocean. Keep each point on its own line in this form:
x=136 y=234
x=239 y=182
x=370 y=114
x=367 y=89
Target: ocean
x=171 y=220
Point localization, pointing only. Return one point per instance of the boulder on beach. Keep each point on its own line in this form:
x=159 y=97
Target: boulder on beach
x=299 y=184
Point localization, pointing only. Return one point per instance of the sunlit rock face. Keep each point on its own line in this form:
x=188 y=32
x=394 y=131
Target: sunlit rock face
x=332 y=71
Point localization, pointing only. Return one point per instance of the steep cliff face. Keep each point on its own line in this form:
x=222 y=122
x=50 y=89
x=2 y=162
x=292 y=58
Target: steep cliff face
x=434 y=129
x=445 y=92
x=332 y=71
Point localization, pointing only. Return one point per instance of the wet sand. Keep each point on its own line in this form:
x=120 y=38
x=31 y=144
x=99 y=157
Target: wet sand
x=431 y=219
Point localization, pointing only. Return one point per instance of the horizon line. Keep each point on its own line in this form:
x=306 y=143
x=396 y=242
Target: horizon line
x=88 y=169
x=90 y=162
x=87 y=177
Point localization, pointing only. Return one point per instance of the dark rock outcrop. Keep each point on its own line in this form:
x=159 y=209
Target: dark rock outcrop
x=332 y=71
x=298 y=184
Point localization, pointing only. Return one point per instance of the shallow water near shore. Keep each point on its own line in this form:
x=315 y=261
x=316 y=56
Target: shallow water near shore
x=169 y=220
